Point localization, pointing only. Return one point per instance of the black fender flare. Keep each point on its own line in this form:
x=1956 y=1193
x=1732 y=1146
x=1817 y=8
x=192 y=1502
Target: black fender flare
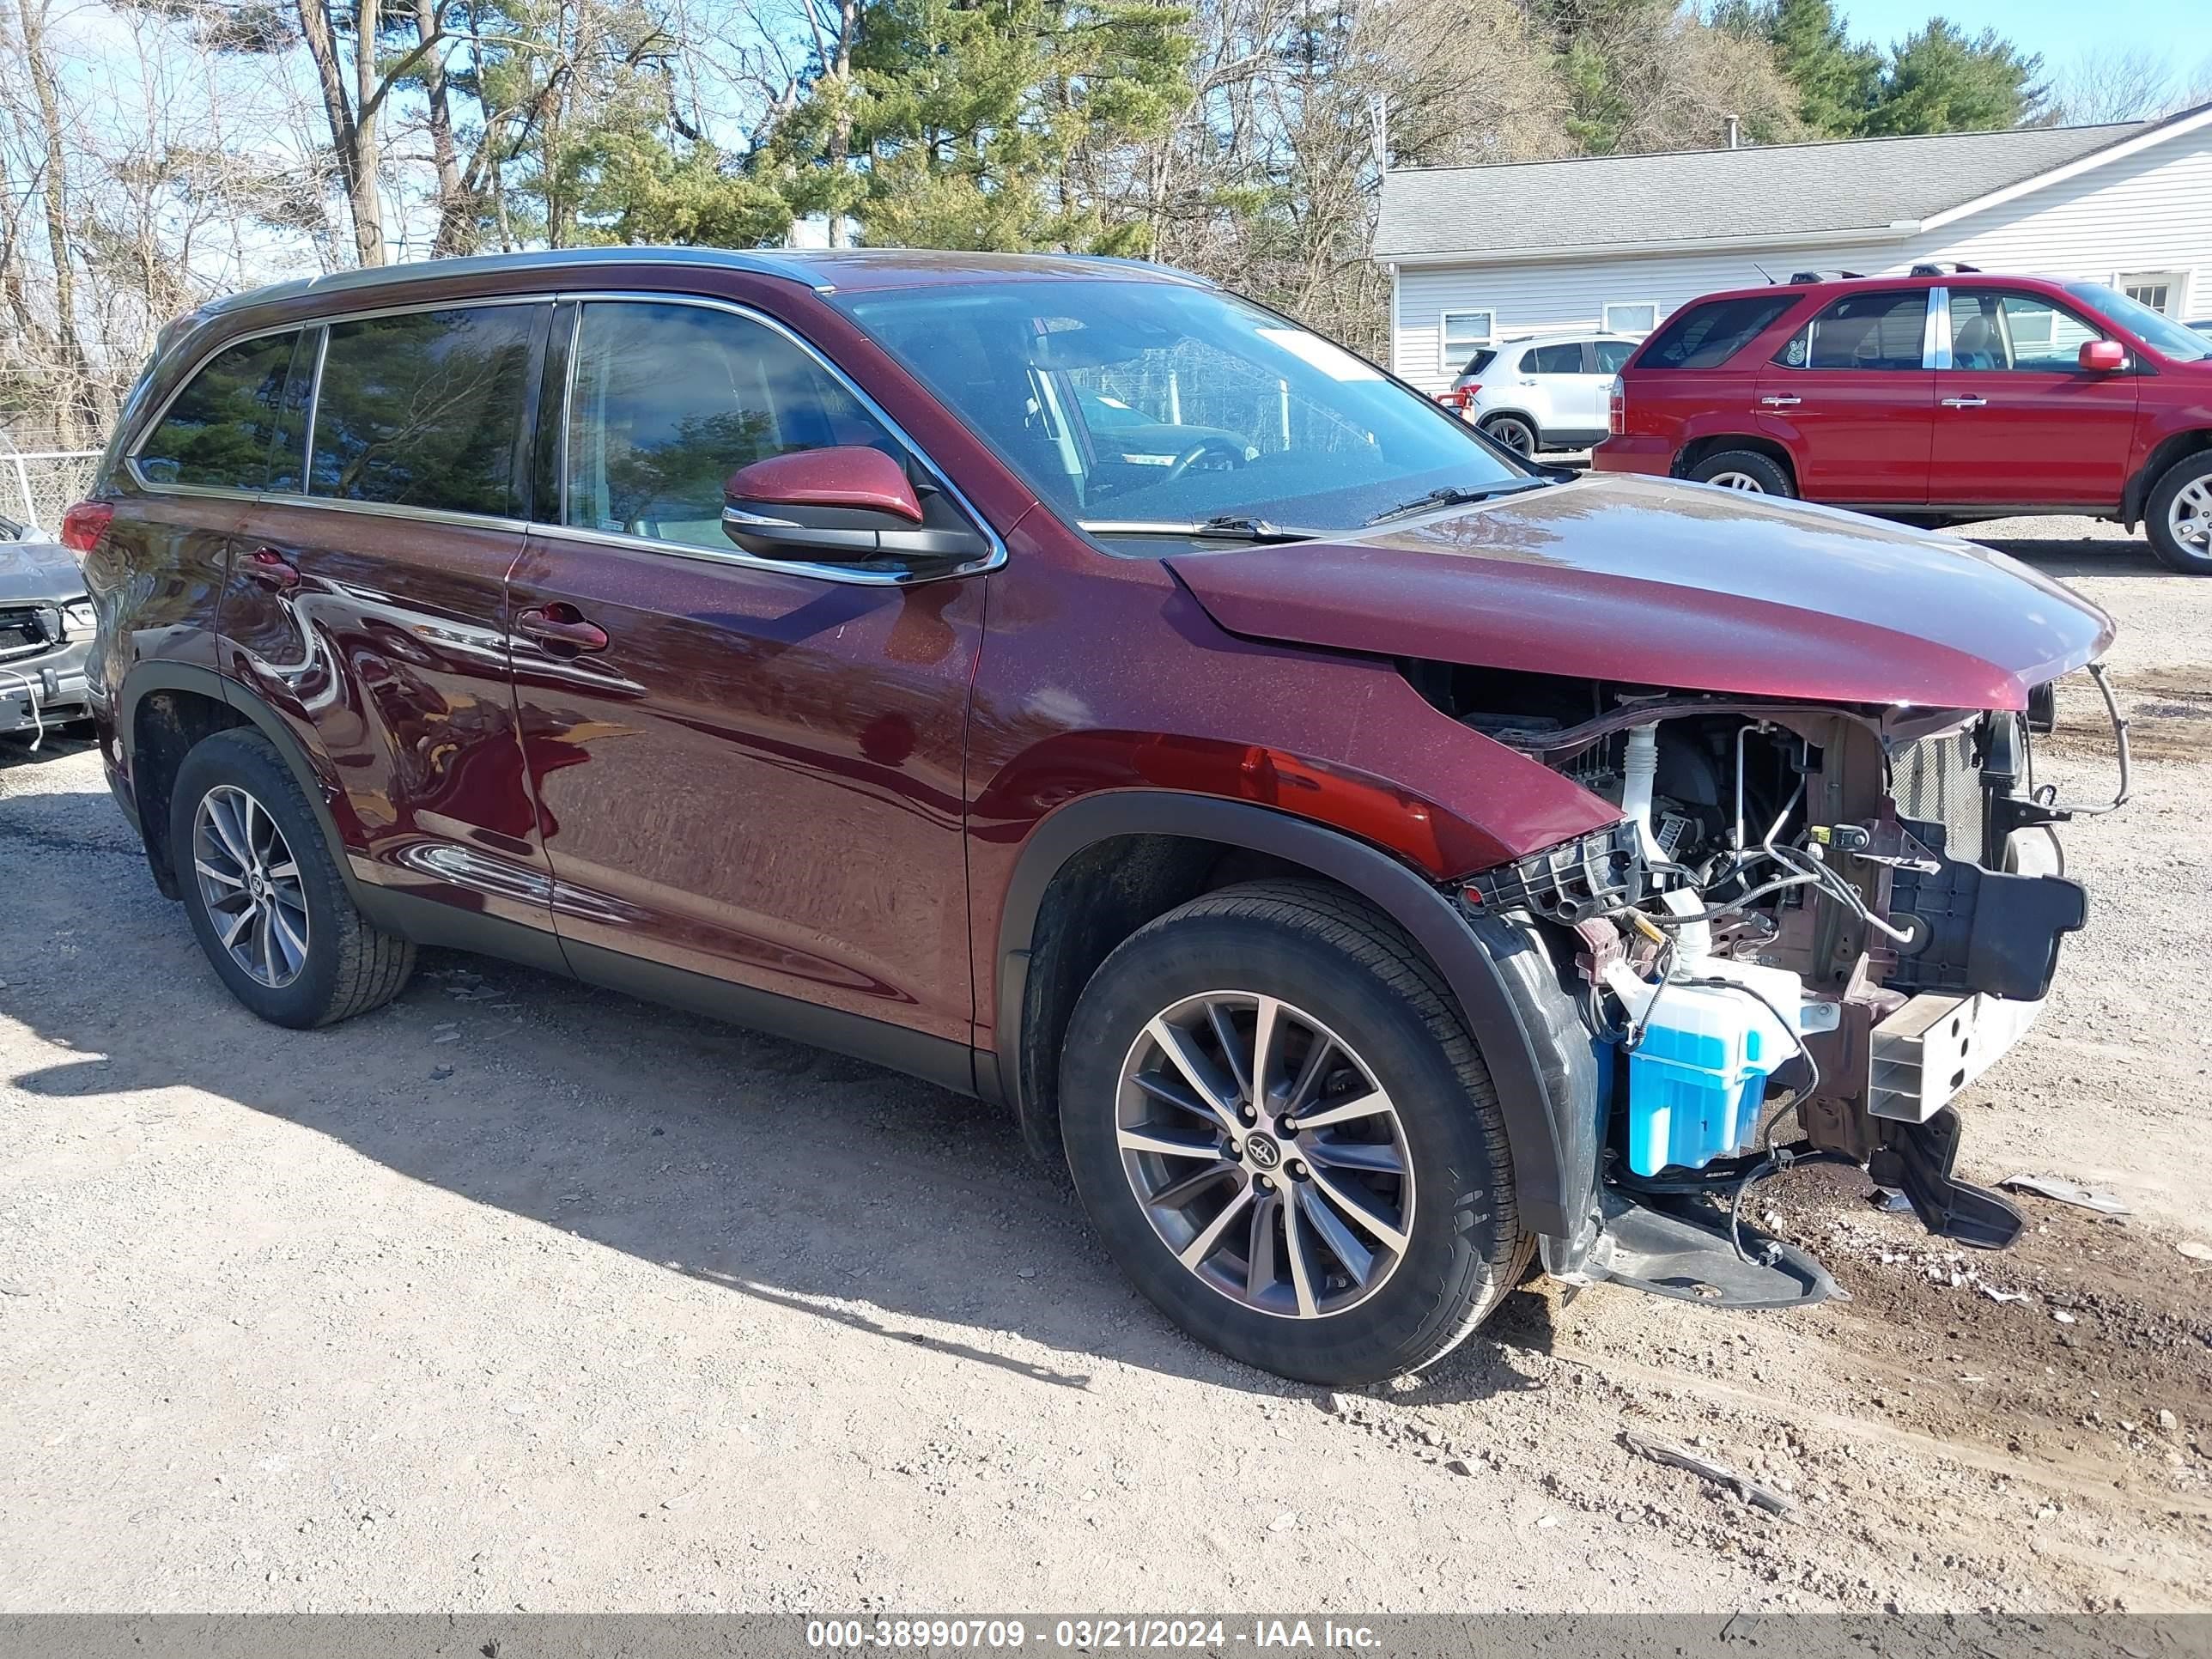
x=149 y=677
x=1498 y=1014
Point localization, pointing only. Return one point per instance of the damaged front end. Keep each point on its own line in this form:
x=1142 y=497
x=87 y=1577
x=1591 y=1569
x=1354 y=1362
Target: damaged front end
x=1813 y=926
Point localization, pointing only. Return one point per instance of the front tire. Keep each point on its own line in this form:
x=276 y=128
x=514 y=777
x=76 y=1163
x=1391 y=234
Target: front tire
x=1745 y=470
x=2178 y=517
x=1285 y=1136
x=263 y=892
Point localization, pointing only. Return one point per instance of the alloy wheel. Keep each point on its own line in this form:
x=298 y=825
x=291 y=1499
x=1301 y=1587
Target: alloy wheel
x=1265 y=1154
x=250 y=883
x=2190 y=515
x=1742 y=480
x=1513 y=434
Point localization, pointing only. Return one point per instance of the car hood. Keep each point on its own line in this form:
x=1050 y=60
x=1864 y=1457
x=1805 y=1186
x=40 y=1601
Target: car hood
x=1687 y=587
x=41 y=570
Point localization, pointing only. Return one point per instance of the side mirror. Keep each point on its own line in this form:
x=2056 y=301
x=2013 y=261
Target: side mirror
x=2103 y=356
x=846 y=505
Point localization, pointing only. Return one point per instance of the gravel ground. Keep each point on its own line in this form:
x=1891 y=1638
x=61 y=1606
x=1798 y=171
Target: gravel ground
x=517 y=1295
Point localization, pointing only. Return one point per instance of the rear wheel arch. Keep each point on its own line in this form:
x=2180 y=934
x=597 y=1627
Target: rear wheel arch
x=168 y=709
x=1699 y=448
x=1488 y=417
x=1098 y=869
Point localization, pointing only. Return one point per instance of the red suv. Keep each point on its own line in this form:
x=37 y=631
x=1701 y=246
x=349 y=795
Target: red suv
x=1943 y=398
x=1364 y=858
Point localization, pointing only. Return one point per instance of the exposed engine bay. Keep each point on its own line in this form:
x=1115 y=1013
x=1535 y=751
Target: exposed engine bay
x=1810 y=928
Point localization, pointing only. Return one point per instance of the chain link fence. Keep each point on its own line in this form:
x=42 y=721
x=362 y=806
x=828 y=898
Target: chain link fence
x=36 y=485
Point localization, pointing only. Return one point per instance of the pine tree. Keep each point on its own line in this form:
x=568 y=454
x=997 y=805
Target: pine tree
x=986 y=123
x=1939 y=81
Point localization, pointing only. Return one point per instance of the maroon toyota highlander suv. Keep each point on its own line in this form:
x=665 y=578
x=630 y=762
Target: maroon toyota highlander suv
x=1365 y=858
x=1944 y=397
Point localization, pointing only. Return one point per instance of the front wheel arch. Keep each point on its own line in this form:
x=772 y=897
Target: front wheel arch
x=1521 y=1044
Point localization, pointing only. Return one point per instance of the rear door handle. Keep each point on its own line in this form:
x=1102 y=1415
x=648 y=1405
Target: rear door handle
x=272 y=569
x=561 y=624
x=1781 y=402
x=1965 y=403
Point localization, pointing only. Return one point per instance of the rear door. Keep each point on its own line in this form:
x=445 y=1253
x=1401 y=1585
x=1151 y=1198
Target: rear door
x=368 y=604
x=1852 y=394
x=1696 y=375
x=750 y=772
x=2018 y=420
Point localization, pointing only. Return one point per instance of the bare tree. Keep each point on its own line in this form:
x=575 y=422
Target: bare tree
x=2118 y=84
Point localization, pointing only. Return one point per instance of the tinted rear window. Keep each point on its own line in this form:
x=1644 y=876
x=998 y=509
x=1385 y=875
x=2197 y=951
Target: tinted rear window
x=1863 y=330
x=424 y=409
x=1480 y=361
x=1707 y=336
x=216 y=434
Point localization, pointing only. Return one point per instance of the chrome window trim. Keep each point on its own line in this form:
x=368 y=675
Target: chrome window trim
x=1936 y=333
x=990 y=560
x=391 y=510
x=744 y=561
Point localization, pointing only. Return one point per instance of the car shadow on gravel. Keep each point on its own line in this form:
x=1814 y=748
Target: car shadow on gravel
x=2068 y=560
x=784 y=1174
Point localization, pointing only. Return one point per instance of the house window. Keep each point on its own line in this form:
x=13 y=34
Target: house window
x=1464 y=333
x=2162 y=290
x=1629 y=316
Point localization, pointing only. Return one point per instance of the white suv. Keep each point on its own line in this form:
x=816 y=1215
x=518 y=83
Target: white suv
x=1541 y=391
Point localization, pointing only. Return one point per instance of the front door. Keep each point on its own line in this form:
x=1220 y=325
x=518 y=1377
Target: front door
x=747 y=774
x=2018 y=419
x=369 y=607
x=1851 y=395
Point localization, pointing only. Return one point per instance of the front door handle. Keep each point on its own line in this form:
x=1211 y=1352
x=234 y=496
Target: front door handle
x=1781 y=402
x=1965 y=403
x=561 y=624
x=270 y=567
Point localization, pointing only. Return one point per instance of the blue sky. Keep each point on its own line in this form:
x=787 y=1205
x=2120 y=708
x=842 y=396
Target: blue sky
x=2062 y=30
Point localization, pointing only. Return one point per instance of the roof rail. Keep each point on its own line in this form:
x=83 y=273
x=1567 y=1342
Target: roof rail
x=766 y=263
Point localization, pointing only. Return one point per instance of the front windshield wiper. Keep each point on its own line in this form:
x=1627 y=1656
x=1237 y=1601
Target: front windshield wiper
x=1454 y=495
x=1226 y=528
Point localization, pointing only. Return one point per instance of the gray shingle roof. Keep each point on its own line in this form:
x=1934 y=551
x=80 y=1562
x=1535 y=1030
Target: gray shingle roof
x=1714 y=195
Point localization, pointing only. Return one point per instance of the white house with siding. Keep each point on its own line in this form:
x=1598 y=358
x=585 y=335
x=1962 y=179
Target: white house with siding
x=1482 y=253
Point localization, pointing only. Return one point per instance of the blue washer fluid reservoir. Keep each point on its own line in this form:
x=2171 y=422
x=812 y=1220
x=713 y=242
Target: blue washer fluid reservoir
x=1697 y=1079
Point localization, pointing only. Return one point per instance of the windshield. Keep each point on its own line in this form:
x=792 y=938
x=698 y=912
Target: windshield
x=1156 y=403
x=2161 y=333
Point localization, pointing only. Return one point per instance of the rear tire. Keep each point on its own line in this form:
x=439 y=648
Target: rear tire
x=1516 y=433
x=1745 y=470
x=2178 y=517
x=264 y=894
x=1328 y=966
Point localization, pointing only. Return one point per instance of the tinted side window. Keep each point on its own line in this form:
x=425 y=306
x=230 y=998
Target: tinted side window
x=1562 y=359
x=424 y=409
x=669 y=400
x=217 y=432
x=1707 y=336
x=1612 y=353
x=1863 y=330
